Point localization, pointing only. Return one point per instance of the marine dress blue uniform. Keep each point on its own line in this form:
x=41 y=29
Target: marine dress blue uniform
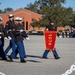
x=9 y=29
x=19 y=37
x=2 y=33
x=56 y=56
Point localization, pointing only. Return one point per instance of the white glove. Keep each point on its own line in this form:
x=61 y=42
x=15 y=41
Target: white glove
x=27 y=38
x=6 y=38
x=21 y=30
x=0 y=37
x=9 y=38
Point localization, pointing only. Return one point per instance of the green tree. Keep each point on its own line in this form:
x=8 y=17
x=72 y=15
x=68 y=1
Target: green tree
x=32 y=7
x=7 y=10
x=1 y=11
x=72 y=20
x=52 y=9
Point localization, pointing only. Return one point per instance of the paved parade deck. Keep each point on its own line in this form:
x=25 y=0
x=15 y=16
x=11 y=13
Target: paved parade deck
x=35 y=64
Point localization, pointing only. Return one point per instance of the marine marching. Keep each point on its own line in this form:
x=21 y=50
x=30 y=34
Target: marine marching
x=14 y=31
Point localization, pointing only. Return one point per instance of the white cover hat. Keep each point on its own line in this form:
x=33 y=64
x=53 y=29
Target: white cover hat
x=11 y=15
x=20 y=19
x=16 y=18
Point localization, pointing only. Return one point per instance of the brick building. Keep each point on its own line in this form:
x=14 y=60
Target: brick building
x=27 y=15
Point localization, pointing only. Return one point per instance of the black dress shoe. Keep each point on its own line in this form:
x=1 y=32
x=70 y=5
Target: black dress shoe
x=44 y=57
x=25 y=56
x=4 y=58
x=16 y=58
x=57 y=58
x=10 y=58
x=23 y=61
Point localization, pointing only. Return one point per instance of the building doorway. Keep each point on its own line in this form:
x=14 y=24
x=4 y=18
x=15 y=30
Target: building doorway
x=26 y=25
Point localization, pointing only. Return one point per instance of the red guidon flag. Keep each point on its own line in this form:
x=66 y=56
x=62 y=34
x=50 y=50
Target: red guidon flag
x=50 y=39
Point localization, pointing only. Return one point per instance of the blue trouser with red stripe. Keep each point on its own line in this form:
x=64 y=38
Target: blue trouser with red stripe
x=54 y=53
x=20 y=48
x=2 y=54
x=11 y=45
